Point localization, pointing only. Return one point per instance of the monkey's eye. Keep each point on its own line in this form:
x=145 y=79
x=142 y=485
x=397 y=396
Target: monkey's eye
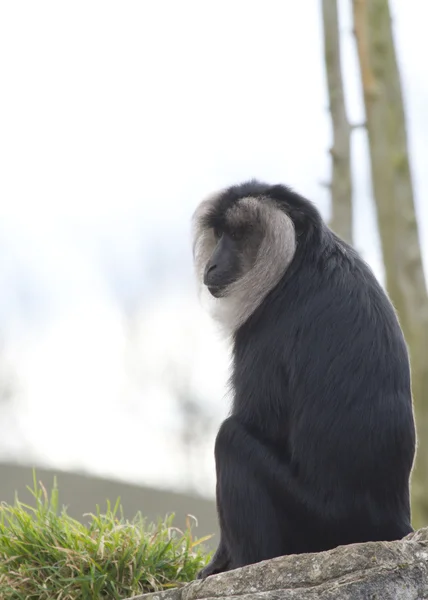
x=236 y=235
x=217 y=233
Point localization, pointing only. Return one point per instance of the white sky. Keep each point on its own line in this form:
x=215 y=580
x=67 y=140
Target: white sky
x=115 y=119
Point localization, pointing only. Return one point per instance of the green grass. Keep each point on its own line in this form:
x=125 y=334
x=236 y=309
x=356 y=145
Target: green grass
x=45 y=554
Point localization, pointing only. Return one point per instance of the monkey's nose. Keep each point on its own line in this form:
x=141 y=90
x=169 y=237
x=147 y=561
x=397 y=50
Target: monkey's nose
x=209 y=271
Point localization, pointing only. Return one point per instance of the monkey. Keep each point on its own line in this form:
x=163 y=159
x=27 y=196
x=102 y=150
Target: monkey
x=320 y=440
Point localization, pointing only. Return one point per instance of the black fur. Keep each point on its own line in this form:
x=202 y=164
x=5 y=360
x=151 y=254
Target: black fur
x=320 y=443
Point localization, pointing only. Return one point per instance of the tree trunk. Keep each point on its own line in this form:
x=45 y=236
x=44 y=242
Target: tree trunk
x=393 y=193
x=341 y=184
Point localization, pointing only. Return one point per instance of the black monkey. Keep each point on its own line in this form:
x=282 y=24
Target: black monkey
x=319 y=446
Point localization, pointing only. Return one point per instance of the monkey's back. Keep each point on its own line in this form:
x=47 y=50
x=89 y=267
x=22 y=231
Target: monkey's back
x=321 y=373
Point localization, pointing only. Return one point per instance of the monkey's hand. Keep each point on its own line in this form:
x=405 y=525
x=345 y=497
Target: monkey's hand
x=212 y=568
x=220 y=562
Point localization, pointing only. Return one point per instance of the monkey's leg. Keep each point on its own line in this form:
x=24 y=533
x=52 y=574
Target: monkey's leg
x=253 y=519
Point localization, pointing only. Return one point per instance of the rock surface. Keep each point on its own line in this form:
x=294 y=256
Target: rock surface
x=371 y=571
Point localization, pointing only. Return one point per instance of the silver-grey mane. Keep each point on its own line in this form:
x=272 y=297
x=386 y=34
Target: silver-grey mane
x=274 y=255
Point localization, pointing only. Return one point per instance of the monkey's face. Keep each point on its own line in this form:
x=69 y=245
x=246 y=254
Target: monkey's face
x=234 y=254
x=223 y=266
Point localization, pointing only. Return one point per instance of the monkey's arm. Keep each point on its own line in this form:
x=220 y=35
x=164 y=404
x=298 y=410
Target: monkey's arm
x=221 y=560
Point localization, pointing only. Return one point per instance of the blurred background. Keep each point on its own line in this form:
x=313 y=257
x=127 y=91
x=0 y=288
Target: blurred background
x=116 y=118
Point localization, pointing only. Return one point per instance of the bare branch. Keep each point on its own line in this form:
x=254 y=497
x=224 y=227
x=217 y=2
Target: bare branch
x=341 y=185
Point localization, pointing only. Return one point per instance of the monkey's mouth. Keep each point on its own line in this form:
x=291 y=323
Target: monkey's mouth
x=216 y=290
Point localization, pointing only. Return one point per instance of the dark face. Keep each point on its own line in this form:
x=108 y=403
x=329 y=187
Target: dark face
x=234 y=254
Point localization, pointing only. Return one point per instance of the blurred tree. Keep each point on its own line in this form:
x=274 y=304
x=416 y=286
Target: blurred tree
x=341 y=182
x=195 y=426
x=12 y=441
x=393 y=194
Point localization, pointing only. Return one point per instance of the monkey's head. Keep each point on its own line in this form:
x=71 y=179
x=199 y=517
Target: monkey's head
x=244 y=239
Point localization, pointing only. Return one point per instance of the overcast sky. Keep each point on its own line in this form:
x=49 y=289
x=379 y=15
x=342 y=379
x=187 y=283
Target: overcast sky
x=115 y=119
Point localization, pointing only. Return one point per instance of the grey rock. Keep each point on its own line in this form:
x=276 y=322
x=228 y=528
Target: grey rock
x=372 y=571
